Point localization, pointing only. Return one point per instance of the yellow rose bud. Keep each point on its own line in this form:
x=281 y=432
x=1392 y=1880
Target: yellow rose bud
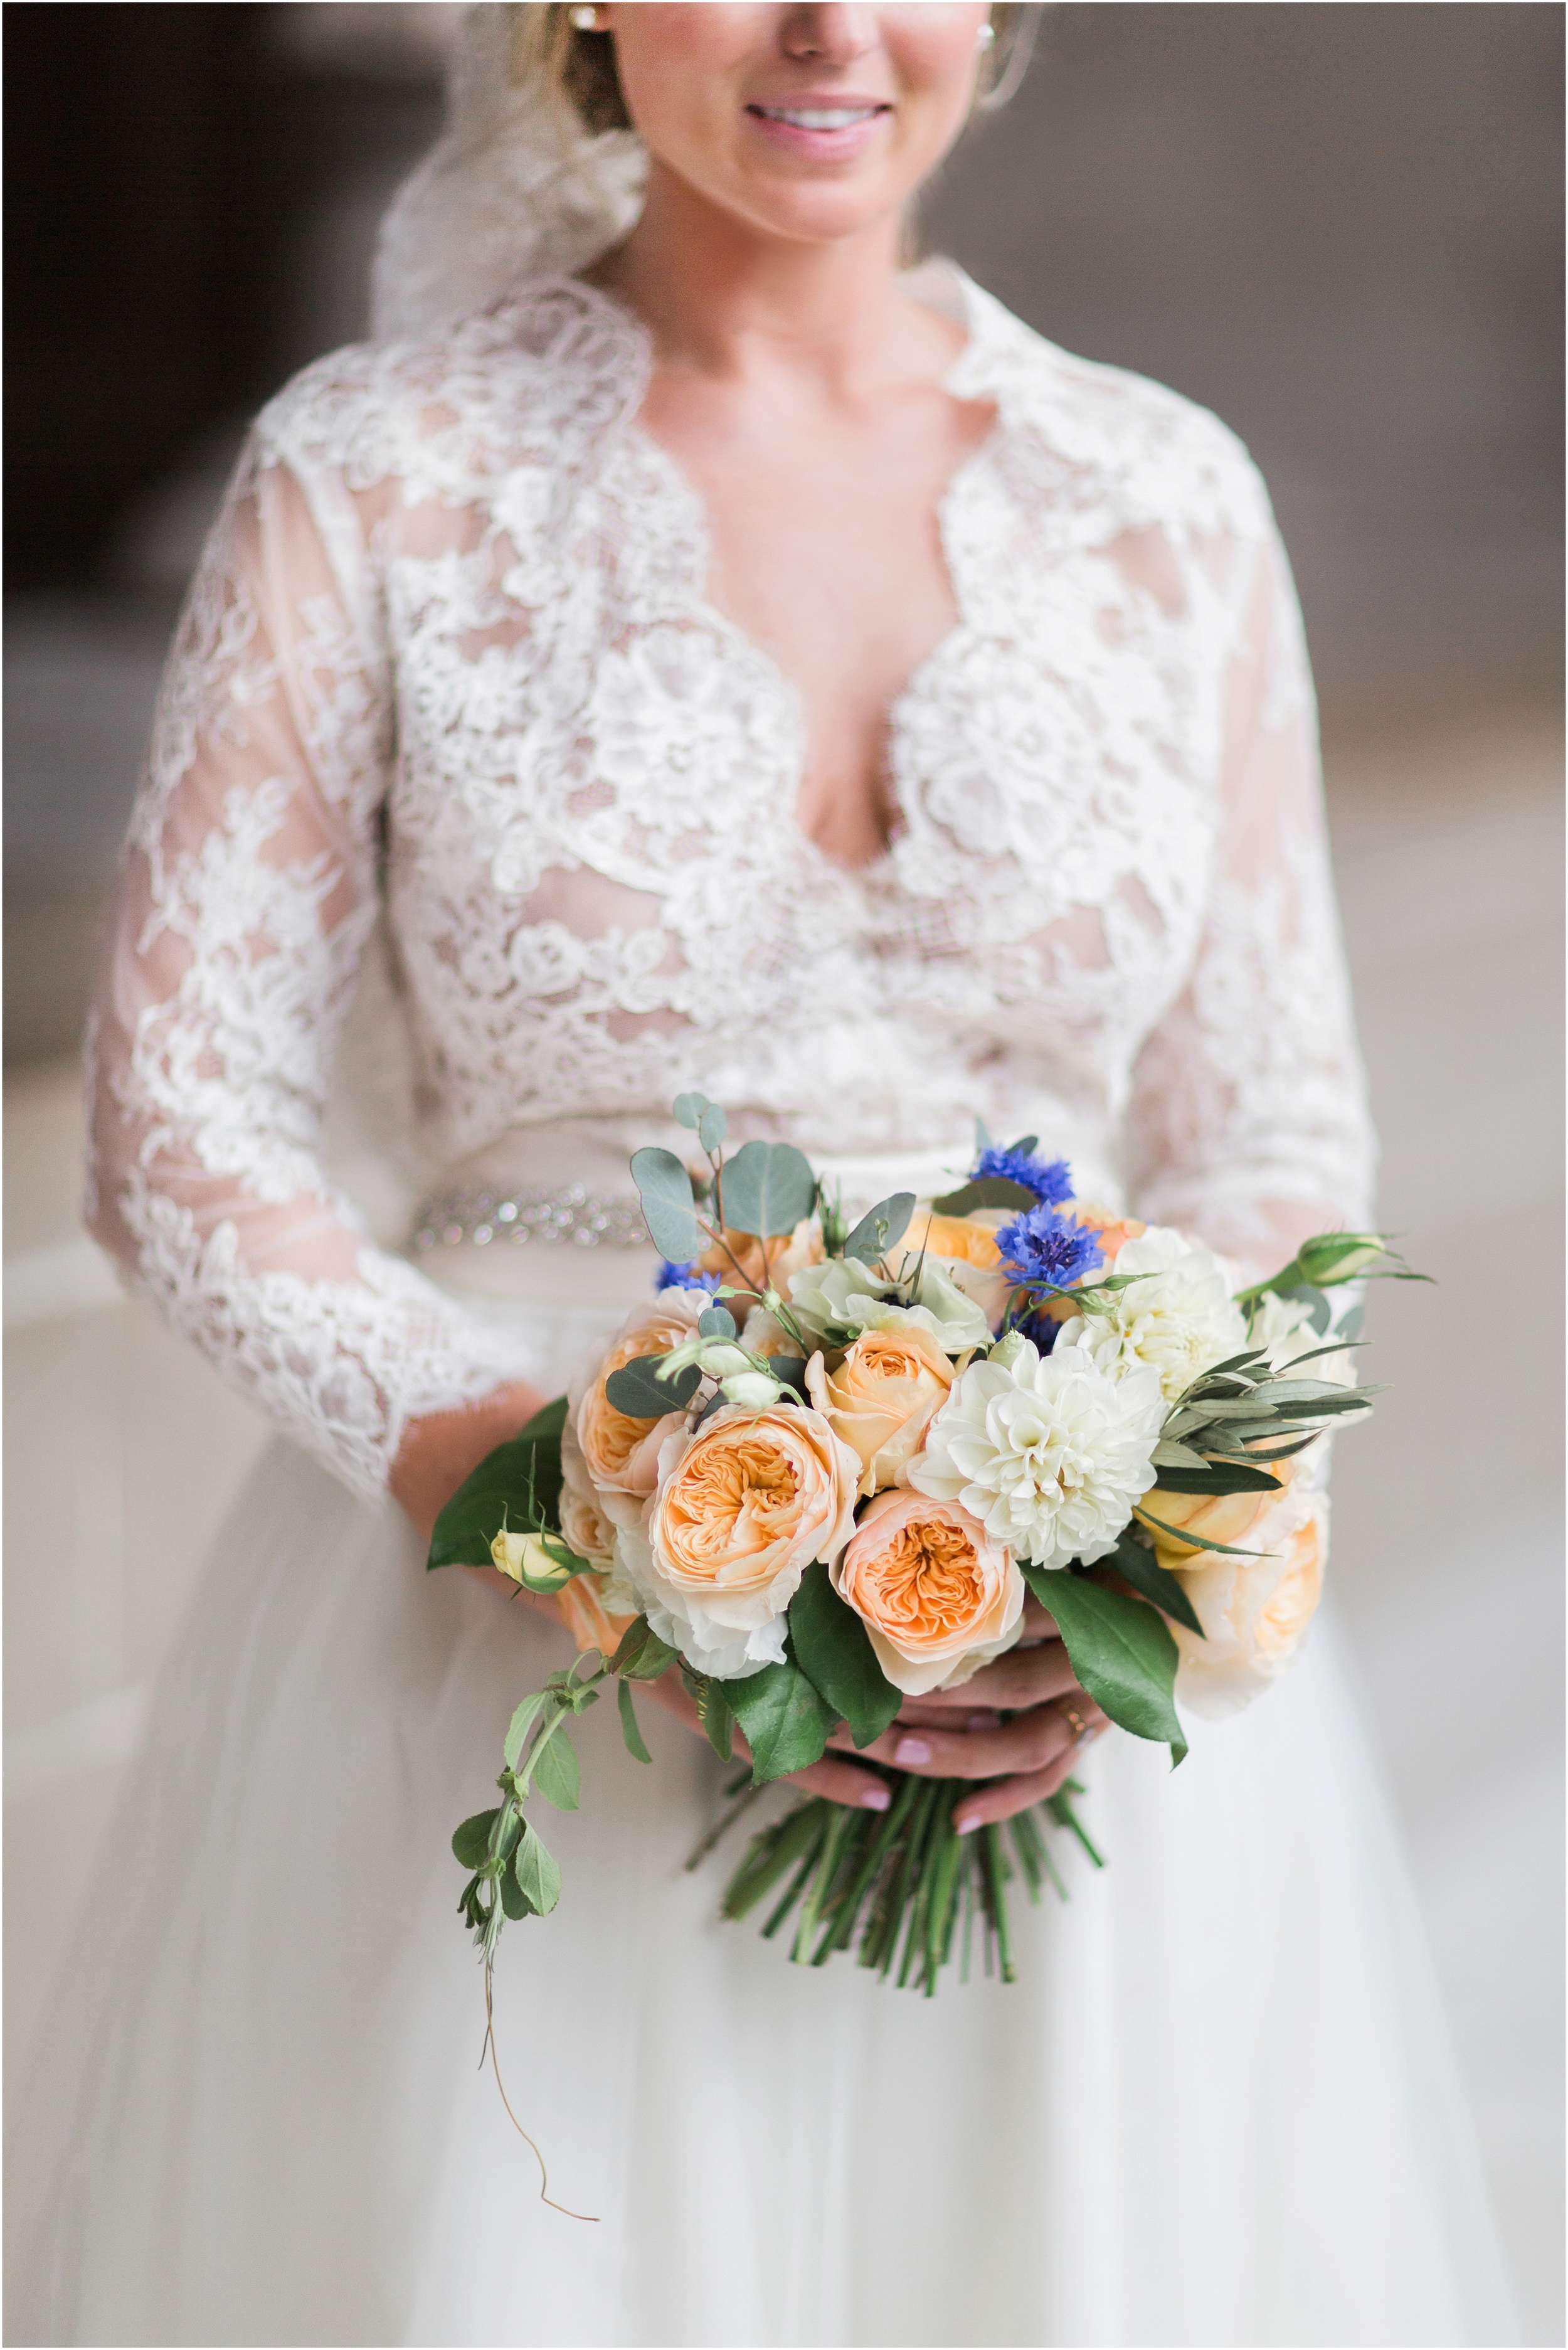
x=524 y=1559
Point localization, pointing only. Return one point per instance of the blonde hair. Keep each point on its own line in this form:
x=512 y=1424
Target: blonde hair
x=576 y=69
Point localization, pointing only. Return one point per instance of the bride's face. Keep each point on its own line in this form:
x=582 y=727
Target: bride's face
x=808 y=122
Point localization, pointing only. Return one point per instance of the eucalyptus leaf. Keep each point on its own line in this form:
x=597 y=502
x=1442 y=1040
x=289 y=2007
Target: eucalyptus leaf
x=629 y=1730
x=985 y=1191
x=716 y=1322
x=711 y=1126
x=834 y=1650
x=784 y=1720
x=538 y=1873
x=637 y=1390
x=470 y=1842
x=768 y=1188
x=668 y=1210
x=518 y=1484
x=557 y=1773
x=1120 y=1649
x=687 y=1109
x=881 y=1228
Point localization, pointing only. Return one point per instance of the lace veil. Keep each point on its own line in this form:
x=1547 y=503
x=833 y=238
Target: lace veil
x=511 y=189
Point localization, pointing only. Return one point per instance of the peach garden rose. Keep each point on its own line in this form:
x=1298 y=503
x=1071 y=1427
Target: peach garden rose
x=745 y=1505
x=1254 y=1611
x=882 y=1399
x=620 y=1453
x=937 y=1596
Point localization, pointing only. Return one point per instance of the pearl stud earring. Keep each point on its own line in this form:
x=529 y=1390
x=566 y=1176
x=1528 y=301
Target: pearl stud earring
x=585 y=20
x=984 y=37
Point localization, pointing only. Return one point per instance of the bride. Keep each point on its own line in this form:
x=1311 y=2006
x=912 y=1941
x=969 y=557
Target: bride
x=717 y=657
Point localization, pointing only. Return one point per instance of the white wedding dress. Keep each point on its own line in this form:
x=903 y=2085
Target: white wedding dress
x=449 y=655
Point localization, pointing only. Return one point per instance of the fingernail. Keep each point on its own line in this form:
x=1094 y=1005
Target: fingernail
x=978 y=1722
x=874 y=1799
x=965 y=1828
x=912 y=1750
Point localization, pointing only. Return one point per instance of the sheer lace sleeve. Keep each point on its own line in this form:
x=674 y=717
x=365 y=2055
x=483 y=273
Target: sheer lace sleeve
x=1248 y=1117
x=247 y=891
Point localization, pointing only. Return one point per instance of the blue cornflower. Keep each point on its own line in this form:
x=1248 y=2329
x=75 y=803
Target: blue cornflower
x=1050 y=1180
x=1041 y=1329
x=685 y=1276
x=1044 y=1247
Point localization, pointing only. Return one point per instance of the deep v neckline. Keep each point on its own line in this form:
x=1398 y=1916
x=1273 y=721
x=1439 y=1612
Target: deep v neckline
x=958 y=383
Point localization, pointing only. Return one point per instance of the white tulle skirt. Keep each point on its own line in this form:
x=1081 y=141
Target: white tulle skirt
x=1217 y=2108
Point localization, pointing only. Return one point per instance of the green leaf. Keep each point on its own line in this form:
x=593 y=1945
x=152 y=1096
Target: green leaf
x=768 y=1187
x=984 y=1191
x=635 y=1389
x=881 y=1228
x=470 y=1842
x=1186 y=1535
x=513 y=1900
x=711 y=1126
x=713 y=1712
x=716 y=1322
x=784 y=1720
x=834 y=1650
x=522 y=1723
x=1120 y=1649
x=519 y=1484
x=1140 y=1567
x=667 y=1210
x=688 y=1108
x=538 y=1873
x=629 y=1725
x=557 y=1774
x=1217 y=1476
x=642 y=1656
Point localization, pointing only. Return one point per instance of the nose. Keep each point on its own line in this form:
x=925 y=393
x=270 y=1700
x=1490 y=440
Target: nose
x=831 y=35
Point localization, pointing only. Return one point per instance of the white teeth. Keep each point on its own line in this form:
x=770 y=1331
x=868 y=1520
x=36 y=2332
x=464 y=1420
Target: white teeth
x=818 y=117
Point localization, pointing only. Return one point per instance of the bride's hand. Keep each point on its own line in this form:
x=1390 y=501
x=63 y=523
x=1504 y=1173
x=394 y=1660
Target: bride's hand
x=960 y=1734
x=443 y=1448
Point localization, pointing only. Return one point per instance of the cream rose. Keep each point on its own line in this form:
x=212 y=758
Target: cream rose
x=1254 y=1611
x=882 y=1399
x=965 y=1248
x=937 y=1596
x=743 y=1507
x=621 y=1453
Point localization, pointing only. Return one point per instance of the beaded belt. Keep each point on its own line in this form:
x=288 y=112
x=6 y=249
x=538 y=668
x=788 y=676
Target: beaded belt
x=572 y=1215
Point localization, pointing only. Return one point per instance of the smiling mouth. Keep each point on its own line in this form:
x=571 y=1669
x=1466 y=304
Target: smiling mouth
x=818 y=117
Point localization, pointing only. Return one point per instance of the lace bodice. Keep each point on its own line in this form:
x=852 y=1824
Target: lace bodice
x=450 y=651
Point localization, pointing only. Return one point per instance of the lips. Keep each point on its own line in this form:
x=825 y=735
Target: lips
x=819 y=117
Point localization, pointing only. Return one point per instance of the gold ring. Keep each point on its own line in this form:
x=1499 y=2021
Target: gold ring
x=1079 y=1726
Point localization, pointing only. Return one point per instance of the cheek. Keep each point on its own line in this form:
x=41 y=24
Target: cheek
x=934 y=49
x=677 y=67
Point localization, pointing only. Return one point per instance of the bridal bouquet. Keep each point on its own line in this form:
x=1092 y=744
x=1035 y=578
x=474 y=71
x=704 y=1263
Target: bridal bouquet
x=821 y=1469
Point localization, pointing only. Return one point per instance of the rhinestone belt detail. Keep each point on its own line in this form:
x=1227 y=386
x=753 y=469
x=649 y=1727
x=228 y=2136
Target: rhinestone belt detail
x=573 y=1215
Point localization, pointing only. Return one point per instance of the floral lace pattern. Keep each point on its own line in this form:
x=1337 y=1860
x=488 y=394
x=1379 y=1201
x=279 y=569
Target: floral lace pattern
x=450 y=647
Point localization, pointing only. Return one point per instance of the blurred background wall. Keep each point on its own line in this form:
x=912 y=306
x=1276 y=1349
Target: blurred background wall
x=1341 y=227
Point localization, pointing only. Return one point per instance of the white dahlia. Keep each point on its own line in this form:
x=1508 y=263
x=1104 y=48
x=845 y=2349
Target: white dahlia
x=1179 y=1320
x=1049 y=1452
